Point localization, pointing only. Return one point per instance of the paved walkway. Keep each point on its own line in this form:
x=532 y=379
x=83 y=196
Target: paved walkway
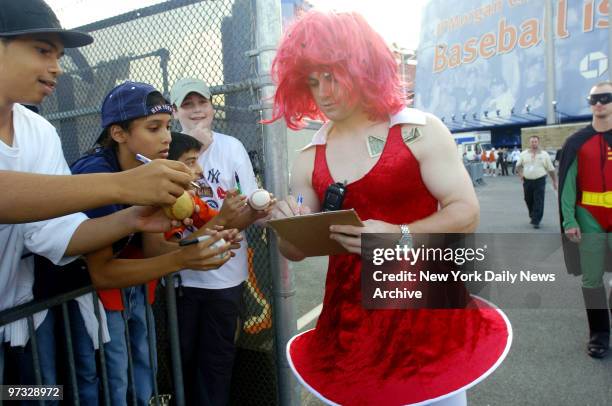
x=547 y=364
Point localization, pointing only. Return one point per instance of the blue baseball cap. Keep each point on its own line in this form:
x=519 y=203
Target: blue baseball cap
x=128 y=101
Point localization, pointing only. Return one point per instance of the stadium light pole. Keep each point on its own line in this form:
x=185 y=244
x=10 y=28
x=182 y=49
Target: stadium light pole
x=550 y=62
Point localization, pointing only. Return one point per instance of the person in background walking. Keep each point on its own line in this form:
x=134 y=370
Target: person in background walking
x=585 y=173
x=514 y=156
x=532 y=166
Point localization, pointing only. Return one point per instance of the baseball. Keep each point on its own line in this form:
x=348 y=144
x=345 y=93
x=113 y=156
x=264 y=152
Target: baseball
x=219 y=243
x=181 y=209
x=259 y=199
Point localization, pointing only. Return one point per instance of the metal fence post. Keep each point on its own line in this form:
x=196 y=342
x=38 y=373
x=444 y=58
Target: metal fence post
x=268 y=32
x=609 y=44
x=175 y=343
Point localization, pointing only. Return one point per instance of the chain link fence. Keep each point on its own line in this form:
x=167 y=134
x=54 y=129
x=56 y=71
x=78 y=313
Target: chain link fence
x=160 y=44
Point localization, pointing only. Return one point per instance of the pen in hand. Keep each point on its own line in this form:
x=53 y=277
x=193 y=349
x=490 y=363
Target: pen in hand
x=146 y=160
x=143 y=159
x=184 y=243
x=300 y=201
x=219 y=243
x=237 y=183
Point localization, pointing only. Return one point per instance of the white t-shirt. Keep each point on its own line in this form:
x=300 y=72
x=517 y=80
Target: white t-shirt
x=225 y=158
x=535 y=167
x=37 y=149
x=515 y=155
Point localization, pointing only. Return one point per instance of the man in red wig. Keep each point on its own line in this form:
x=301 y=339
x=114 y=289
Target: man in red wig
x=401 y=173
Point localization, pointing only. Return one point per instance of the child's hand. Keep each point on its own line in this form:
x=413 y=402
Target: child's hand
x=234 y=238
x=160 y=182
x=149 y=219
x=202 y=130
x=203 y=256
x=233 y=205
x=265 y=214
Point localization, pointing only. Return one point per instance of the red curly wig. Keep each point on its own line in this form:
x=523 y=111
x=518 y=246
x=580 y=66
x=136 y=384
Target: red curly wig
x=345 y=45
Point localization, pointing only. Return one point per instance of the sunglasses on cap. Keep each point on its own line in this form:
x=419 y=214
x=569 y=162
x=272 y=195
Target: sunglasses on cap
x=603 y=98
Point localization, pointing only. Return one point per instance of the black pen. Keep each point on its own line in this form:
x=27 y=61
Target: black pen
x=183 y=243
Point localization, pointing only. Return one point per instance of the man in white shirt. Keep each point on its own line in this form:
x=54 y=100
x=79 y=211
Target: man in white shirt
x=532 y=167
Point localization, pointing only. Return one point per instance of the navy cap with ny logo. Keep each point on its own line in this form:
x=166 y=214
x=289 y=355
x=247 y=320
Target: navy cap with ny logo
x=23 y=17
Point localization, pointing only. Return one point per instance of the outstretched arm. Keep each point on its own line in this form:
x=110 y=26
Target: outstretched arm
x=35 y=197
x=94 y=234
x=108 y=272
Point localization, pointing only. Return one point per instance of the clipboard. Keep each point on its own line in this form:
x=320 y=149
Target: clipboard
x=310 y=232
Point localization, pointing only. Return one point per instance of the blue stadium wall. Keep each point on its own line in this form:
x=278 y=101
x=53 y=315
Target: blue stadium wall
x=481 y=64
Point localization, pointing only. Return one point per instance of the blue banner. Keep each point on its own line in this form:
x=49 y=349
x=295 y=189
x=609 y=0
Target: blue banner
x=482 y=63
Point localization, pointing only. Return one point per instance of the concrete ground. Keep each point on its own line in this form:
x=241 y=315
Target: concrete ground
x=547 y=363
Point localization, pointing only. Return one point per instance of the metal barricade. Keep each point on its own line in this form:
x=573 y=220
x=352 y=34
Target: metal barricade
x=476 y=171
x=62 y=354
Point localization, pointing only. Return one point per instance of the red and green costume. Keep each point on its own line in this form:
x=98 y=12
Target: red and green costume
x=585 y=202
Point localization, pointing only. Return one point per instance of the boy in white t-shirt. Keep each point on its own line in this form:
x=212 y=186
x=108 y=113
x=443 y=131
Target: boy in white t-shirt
x=31 y=44
x=208 y=302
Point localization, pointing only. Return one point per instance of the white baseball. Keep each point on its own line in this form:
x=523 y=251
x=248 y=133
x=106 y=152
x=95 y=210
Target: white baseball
x=259 y=199
x=219 y=243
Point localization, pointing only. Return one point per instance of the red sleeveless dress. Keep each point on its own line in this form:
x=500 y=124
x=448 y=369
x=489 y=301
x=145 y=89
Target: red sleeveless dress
x=356 y=356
